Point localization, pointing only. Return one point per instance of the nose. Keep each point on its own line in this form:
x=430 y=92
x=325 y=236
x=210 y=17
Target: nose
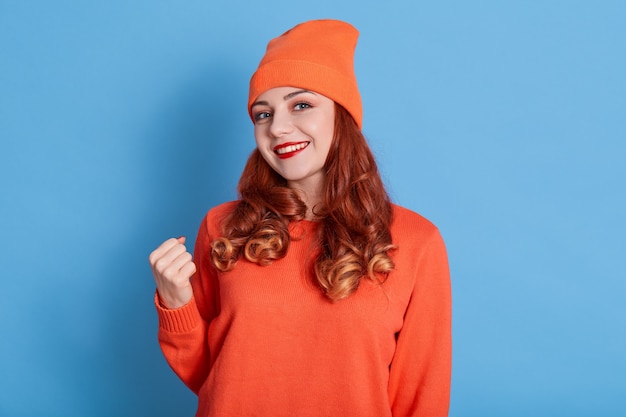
x=280 y=124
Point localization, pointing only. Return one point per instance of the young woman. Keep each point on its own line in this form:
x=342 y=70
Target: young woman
x=311 y=295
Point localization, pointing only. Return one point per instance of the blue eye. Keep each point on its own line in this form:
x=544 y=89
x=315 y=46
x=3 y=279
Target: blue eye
x=261 y=115
x=302 y=106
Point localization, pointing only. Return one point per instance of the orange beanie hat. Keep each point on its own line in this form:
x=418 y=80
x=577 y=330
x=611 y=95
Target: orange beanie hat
x=317 y=55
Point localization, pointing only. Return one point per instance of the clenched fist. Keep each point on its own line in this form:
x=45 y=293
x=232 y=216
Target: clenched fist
x=172 y=267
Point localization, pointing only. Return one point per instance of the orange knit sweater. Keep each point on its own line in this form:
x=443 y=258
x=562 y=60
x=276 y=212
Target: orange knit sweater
x=264 y=341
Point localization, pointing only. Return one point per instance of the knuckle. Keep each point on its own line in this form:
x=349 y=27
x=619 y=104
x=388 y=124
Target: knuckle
x=161 y=264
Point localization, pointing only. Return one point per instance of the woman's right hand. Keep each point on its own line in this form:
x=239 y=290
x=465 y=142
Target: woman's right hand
x=172 y=267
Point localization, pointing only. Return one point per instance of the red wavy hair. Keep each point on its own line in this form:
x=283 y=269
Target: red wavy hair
x=355 y=216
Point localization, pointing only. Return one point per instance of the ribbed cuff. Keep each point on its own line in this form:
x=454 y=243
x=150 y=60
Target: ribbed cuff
x=178 y=320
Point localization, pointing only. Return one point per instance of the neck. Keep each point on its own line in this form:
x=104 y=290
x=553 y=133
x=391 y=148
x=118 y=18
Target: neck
x=311 y=195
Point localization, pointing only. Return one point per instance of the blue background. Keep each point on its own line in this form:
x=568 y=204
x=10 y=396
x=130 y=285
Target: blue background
x=503 y=122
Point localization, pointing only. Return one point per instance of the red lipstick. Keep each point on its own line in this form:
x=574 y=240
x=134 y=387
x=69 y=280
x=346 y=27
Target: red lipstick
x=289 y=149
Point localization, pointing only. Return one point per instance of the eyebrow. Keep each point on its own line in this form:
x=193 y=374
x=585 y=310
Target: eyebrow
x=287 y=97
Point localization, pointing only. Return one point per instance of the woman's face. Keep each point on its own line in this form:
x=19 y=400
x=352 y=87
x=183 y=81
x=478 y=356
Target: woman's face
x=294 y=129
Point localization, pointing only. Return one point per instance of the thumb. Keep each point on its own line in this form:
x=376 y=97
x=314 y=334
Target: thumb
x=181 y=239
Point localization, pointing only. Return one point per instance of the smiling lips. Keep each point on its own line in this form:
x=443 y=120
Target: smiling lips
x=287 y=150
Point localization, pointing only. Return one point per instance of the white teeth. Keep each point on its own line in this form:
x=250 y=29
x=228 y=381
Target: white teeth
x=291 y=148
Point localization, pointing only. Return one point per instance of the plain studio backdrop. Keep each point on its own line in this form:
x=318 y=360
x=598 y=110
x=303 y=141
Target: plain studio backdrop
x=122 y=123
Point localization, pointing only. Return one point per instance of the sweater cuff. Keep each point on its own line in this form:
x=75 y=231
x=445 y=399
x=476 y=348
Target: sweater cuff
x=178 y=320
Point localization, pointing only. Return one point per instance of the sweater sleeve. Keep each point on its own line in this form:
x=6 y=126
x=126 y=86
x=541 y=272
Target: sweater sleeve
x=419 y=382
x=183 y=331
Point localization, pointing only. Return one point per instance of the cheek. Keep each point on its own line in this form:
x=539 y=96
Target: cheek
x=257 y=136
x=327 y=129
x=262 y=148
x=262 y=142
x=327 y=139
